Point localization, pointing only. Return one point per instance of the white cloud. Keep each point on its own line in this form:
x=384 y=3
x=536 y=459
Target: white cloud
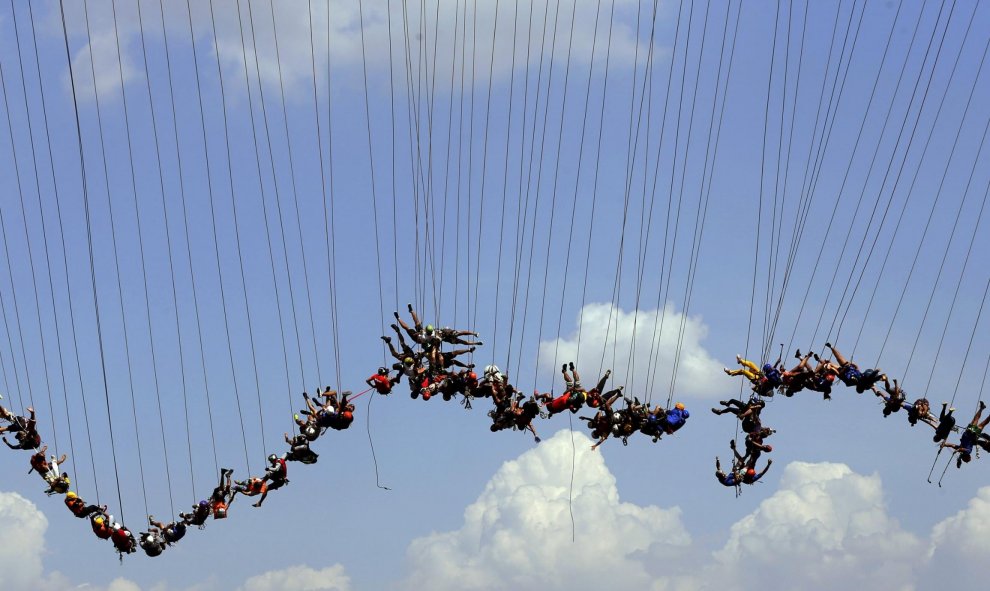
x=22 y=540
x=97 y=65
x=827 y=527
x=300 y=578
x=517 y=535
x=699 y=373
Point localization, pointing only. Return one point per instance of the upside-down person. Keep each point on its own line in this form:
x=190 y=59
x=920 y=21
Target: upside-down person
x=25 y=431
x=852 y=376
x=893 y=397
x=299 y=450
x=198 y=516
x=946 y=423
x=970 y=436
x=920 y=410
x=750 y=476
x=381 y=382
x=755 y=447
x=40 y=464
x=152 y=541
x=123 y=540
x=277 y=473
x=733 y=478
x=223 y=494
x=747 y=412
x=455 y=337
x=172 y=532
x=79 y=508
x=251 y=487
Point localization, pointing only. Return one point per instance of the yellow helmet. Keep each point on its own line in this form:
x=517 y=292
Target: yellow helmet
x=70 y=494
x=679 y=406
x=98 y=521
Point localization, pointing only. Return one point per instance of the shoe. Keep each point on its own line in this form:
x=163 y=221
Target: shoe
x=726 y=370
x=571 y=365
x=738 y=358
x=797 y=354
x=829 y=345
x=563 y=367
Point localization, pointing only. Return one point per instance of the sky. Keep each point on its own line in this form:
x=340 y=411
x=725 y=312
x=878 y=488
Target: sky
x=647 y=188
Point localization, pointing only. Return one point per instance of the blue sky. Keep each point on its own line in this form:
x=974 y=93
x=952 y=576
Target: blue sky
x=904 y=127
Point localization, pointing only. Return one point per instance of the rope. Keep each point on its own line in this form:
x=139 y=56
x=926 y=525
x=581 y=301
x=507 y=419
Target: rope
x=171 y=267
x=144 y=270
x=213 y=226
x=89 y=241
x=65 y=265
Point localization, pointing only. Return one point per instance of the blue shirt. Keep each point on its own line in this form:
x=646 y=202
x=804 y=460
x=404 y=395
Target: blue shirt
x=676 y=418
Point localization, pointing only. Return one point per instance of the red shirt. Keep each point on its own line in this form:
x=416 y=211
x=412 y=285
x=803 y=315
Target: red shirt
x=559 y=404
x=382 y=384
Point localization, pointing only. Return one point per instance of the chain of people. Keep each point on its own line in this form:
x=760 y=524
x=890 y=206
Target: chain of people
x=429 y=370
x=774 y=378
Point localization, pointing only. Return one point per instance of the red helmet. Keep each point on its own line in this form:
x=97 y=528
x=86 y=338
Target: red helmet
x=769 y=447
x=426 y=395
x=472 y=376
x=830 y=377
x=750 y=472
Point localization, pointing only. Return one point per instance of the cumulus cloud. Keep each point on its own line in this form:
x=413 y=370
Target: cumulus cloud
x=827 y=527
x=517 y=535
x=650 y=338
x=22 y=540
x=300 y=578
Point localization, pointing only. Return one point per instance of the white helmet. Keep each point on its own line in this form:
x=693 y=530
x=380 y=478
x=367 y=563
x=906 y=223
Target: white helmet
x=492 y=370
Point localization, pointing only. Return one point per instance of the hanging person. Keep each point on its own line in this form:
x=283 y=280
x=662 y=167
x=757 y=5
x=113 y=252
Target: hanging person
x=946 y=424
x=79 y=508
x=381 y=382
x=123 y=540
x=39 y=462
x=172 y=533
x=25 y=431
x=299 y=450
x=733 y=478
x=969 y=437
x=152 y=541
x=200 y=513
x=852 y=376
x=893 y=397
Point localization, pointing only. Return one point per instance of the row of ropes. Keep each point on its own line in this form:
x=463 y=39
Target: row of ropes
x=874 y=253
x=201 y=274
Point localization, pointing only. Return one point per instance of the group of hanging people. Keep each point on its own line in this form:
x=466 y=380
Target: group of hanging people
x=430 y=370
x=773 y=378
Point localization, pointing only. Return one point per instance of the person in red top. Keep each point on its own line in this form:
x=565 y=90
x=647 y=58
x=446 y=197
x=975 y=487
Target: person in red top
x=123 y=540
x=250 y=488
x=39 y=462
x=381 y=382
x=222 y=495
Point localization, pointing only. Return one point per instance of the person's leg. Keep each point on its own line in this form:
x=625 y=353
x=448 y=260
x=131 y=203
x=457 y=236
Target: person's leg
x=838 y=356
x=600 y=386
x=979 y=412
x=749 y=365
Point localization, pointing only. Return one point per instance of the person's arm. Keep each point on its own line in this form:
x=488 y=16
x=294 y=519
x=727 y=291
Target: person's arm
x=9 y=445
x=764 y=471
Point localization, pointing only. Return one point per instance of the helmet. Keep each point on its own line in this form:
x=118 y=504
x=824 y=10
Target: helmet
x=472 y=376
x=679 y=406
x=203 y=503
x=429 y=328
x=491 y=370
x=830 y=377
x=70 y=495
x=382 y=371
x=769 y=447
x=98 y=521
x=751 y=472
x=408 y=361
x=767 y=368
x=272 y=458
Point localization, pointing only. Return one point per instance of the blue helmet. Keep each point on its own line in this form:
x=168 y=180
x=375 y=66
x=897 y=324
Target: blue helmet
x=204 y=504
x=767 y=368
